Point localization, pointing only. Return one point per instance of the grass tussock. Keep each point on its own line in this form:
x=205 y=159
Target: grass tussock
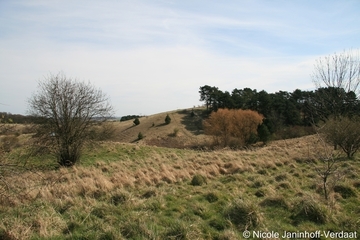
x=244 y=215
x=308 y=209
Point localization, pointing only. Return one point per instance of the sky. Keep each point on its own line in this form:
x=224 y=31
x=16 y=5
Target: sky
x=152 y=56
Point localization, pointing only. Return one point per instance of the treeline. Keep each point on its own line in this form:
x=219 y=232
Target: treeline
x=18 y=118
x=128 y=117
x=283 y=109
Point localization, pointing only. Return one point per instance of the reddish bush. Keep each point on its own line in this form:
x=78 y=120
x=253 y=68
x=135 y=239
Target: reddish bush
x=232 y=128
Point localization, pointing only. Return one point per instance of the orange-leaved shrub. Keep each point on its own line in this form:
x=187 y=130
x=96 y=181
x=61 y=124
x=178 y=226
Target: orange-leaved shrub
x=233 y=128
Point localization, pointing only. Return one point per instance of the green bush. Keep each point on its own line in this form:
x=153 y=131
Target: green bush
x=140 y=136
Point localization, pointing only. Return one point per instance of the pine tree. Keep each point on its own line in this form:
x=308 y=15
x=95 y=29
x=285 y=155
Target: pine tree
x=167 y=119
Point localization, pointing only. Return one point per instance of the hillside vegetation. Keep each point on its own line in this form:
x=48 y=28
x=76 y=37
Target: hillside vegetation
x=134 y=189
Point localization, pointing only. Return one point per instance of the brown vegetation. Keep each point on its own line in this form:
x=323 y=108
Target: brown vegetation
x=232 y=127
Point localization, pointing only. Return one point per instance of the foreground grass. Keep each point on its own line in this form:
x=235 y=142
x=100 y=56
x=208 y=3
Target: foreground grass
x=126 y=191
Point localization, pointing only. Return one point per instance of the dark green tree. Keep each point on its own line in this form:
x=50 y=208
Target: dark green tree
x=263 y=133
x=136 y=121
x=211 y=97
x=167 y=119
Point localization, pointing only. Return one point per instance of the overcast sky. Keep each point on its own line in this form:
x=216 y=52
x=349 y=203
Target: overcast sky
x=152 y=56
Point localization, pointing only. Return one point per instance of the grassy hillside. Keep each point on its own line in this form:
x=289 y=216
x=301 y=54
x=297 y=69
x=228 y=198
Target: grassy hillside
x=124 y=190
x=185 y=129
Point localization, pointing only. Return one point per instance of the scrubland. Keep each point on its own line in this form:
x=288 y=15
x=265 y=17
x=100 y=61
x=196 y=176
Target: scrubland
x=136 y=191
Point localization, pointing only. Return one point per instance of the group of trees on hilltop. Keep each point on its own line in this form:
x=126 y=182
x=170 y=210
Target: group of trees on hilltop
x=297 y=108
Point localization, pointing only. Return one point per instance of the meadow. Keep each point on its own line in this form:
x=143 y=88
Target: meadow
x=139 y=189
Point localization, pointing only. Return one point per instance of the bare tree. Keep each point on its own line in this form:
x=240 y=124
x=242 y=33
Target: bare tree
x=338 y=71
x=69 y=108
x=327 y=168
x=337 y=78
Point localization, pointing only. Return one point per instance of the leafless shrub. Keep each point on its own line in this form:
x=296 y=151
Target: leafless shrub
x=70 y=108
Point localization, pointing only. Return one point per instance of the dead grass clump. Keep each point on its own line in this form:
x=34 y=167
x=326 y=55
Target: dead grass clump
x=308 y=209
x=244 y=215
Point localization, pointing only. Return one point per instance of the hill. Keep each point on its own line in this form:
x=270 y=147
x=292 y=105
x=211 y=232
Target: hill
x=185 y=129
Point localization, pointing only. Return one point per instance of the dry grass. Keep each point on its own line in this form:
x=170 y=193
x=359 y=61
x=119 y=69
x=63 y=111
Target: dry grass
x=159 y=166
x=125 y=190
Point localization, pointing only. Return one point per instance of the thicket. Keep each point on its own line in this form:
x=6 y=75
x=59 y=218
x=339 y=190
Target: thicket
x=128 y=117
x=234 y=128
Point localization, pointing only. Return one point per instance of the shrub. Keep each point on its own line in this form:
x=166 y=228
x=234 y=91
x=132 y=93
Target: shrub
x=136 y=121
x=176 y=132
x=167 y=119
x=233 y=127
x=344 y=132
x=140 y=136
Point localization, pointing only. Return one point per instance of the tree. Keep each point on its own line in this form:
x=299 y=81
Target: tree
x=70 y=108
x=136 y=121
x=211 y=96
x=263 y=133
x=344 y=132
x=338 y=71
x=167 y=119
x=337 y=78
